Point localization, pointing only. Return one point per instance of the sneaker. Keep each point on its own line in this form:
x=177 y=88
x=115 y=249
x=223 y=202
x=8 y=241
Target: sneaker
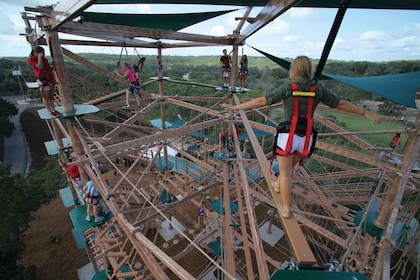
x=284 y=213
x=98 y=219
x=53 y=115
x=275 y=186
x=88 y=218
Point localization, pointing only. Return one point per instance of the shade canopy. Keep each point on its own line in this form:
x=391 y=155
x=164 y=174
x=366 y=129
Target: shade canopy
x=400 y=88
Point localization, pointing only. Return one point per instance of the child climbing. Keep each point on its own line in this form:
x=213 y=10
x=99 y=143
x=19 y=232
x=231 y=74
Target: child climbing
x=133 y=85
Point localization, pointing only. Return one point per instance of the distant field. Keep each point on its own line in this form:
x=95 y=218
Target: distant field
x=362 y=124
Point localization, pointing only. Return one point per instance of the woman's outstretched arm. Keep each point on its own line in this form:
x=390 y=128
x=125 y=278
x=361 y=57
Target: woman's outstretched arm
x=351 y=108
x=251 y=104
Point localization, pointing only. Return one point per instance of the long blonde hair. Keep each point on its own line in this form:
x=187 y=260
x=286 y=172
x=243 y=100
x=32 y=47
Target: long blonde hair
x=301 y=68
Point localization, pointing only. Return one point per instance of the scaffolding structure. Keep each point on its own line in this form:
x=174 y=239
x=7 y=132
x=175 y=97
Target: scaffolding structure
x=155 y=184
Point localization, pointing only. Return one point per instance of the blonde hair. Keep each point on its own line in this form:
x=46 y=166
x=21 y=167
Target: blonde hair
x=301 y=68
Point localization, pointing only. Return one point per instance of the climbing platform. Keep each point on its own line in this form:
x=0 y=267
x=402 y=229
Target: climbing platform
x=67 y=197
x=78 y=216
x=232 y=90
x=54 y=149
x=79 y=110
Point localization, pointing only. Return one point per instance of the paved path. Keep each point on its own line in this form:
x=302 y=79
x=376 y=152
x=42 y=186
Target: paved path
x=16 y=150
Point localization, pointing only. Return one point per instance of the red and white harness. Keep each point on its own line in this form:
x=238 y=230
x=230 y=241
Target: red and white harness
x=295 y=117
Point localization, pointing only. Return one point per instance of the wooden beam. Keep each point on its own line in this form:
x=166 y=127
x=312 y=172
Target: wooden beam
x=66 y=10
x=90 y=28
x=365 y=158
x=271 y=11
x=160 y=136
x=313 y=226
x=92 y=66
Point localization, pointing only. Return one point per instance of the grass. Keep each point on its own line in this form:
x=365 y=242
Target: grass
x=353 y=123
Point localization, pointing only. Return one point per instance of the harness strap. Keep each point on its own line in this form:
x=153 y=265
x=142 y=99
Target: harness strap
x=310 y=122
x=295 y=117
x=90 y=194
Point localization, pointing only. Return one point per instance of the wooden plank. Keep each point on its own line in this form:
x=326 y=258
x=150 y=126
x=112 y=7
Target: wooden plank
x=109 y=239
x=116 y=254
x=127 y=274
x=120 y=264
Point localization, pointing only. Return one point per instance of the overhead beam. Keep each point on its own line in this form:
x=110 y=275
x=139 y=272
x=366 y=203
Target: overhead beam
x=66 y=10
x=90 y=28
x=271 y=11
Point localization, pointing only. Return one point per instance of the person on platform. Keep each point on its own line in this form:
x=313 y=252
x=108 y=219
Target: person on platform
x=44 y=78
x=296 y=136
x=222 y=141
x=243 y=72
x=395 y=141
x=92 y=201
x=73 y=172
x=225 y=61
x=133 y=85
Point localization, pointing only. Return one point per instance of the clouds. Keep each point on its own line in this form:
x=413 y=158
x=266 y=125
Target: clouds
x=7 y=26
x=373 y=35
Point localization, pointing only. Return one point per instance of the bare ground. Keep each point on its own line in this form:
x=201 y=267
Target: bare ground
x=53 y=260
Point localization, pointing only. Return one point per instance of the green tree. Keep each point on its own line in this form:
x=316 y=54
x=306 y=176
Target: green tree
x=14 y=220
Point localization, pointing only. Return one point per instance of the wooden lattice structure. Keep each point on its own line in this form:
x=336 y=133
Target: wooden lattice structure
x=345 y=174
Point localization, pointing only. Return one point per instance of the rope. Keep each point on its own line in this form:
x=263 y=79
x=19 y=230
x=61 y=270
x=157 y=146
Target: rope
x=156 y=208
x=119 y=59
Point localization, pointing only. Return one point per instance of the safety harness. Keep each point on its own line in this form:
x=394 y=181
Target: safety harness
x=296 y=125
x=90 y=192
x=45 y=83
x=309 y=121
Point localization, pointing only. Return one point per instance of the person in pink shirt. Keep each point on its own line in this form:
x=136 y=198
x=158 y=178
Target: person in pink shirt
x=133 y=85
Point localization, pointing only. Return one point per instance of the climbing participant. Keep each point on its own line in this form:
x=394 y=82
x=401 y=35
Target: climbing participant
x=92 y=201
x=395 y=141
x=202 y=212
x=230 y=146
x=45 y=79
x=73 y=172
x=133 y=85
x=225 y=61
x=222 y=141
x=296 y=136
x=243 y=72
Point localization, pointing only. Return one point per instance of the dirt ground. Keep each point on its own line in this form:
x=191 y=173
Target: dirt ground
x=58 y=260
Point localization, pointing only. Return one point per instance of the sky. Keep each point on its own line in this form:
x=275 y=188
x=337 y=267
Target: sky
x=364 y=35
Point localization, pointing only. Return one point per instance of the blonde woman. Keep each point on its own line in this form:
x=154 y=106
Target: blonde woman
x=295 y=138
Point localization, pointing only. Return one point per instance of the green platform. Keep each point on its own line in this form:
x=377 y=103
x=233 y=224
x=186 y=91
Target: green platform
x=80 y=110
x=67 y=197
x=53 y=148
x=78 y=216
x=316 y=275
x=79 y=237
